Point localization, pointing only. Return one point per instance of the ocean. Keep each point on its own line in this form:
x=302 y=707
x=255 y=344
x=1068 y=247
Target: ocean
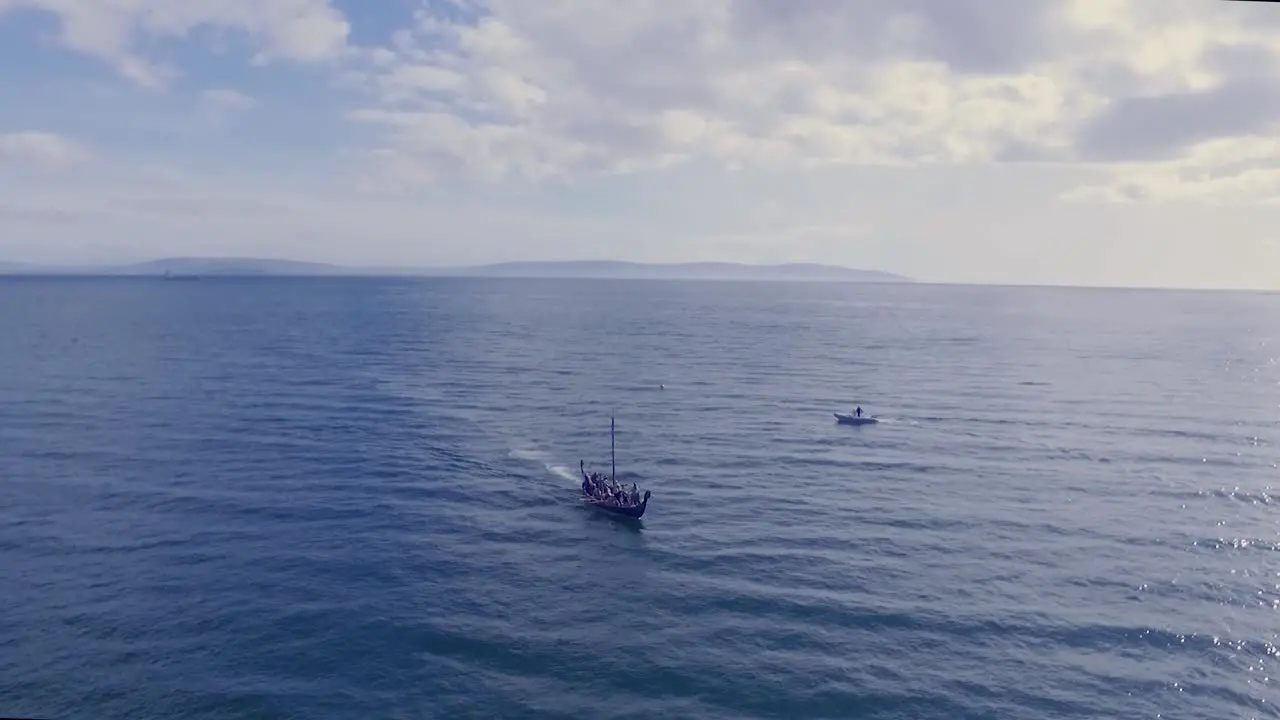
x=358 y=498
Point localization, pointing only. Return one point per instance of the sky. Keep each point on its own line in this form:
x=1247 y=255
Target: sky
x=1082 y=142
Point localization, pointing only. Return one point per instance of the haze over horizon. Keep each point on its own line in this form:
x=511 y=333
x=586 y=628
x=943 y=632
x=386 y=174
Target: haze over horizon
x=1077 y=142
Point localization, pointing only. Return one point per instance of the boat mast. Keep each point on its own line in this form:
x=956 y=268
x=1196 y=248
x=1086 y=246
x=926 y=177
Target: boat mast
x=613 y=459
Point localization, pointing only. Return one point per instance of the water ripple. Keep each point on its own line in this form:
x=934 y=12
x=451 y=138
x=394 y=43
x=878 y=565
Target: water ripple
x=307 y=498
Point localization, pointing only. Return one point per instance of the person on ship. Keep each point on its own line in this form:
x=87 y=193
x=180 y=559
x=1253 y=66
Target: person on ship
x=590 y=480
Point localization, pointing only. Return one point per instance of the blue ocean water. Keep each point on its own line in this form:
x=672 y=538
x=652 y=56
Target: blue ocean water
x=302 y=498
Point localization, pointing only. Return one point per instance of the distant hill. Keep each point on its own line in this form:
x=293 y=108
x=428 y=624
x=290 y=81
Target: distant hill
x=682 y=271
x=228 y=266
x=601 y=269
x=186 y=267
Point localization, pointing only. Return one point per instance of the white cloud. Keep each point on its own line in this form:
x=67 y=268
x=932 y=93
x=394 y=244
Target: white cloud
x=114 y=30
x=652 y=84
x=508 y=88
x=1225 y=171
x=225 y=100
x=39 y=149
x=498 y=89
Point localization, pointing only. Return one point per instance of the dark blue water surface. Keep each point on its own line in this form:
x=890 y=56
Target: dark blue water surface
x=306 y=498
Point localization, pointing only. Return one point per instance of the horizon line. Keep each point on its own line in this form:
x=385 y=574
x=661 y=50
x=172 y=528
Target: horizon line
x=14 y=269
x=493 y=263
x=1007 y=285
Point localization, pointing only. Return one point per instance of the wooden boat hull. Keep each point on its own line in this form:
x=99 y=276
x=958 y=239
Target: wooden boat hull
x=636 y=512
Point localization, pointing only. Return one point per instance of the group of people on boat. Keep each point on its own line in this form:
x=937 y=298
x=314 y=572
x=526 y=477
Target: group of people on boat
x=604 y=489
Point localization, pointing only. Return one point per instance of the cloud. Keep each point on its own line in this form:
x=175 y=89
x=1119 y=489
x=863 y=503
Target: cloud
x=220 y=104
x=223 y=100
x=1241 y=170
x=511 y=89
x=518 y=89
x=1157 y=127
x=116 y=30
x=563 y=89
x=967 y=35
x=39 y=149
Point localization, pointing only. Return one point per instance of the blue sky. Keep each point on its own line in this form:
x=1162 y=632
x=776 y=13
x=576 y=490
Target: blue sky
x=1122 y=142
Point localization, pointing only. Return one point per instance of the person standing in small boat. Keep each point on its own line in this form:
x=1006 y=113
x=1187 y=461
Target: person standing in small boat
x=592 y=483
x=858 y=412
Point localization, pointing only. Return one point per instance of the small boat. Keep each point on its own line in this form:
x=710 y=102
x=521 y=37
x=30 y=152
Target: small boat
x=630 y=511
x=854 y=419
x=611 y=505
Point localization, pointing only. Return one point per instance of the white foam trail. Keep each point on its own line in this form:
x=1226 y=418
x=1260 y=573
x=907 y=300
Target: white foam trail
x=544 y=459
x=560 y=470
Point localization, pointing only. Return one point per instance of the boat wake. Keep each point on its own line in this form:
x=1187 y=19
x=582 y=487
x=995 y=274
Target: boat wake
x=544 y=459
x=560 y=470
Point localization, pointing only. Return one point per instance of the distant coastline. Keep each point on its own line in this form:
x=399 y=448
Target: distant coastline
x=583 y=269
